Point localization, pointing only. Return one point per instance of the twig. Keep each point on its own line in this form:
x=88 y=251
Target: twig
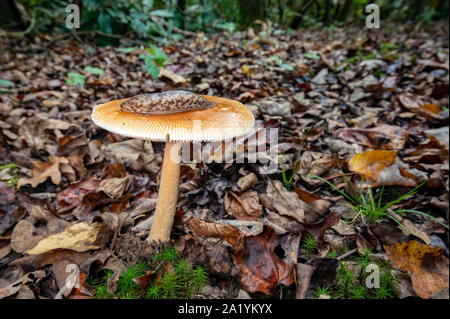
x=351 y=252
x=21 y=33
x=175 y=29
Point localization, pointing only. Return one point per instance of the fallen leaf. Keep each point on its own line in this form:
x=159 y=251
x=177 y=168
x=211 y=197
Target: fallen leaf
x=243 y=207
x=260 y=268
x=382 y=137
x=7 y=194
x=381 y=168
x=78 y=237
x=426 y=110
x=17 y=285
x=44 y=170
x=427 y=266
x=317 y=230
x=433 y=64
x=304 y=273
x=227 y=232
x=115 y=187
x=175 y=78
x=286 y=203
x=72 y=196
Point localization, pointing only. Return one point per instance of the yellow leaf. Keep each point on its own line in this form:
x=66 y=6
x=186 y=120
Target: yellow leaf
x=427 y=266
x=381 y=168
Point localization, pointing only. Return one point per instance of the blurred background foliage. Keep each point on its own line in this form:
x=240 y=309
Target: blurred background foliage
x=169 y=20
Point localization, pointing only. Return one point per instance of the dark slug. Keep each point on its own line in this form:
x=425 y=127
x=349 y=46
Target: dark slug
x=166 y=103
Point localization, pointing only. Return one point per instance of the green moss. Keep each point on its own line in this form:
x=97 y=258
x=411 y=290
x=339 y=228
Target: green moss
x=175 y=277
x=310 y=245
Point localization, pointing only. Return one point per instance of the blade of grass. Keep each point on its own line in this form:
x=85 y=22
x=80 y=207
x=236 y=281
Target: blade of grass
x=401 y=211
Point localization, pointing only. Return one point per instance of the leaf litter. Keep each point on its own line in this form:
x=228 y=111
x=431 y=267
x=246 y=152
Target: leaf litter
x=80 y=195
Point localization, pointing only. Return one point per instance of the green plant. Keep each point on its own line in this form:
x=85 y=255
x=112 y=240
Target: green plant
x=169 y=255
x=351 y=284
x=154 y=292
x=357 y=292
x=288 y=182
x=93 y=70
x=344 y=281
x=74 y=78
x=370 y=210
x=126 y=287
x=322 y=290
x=100 y=285
x=310 y=245
x=332 y=254
x=199 y=278
x=13 y=172
x=153 y=59
x=174 y=277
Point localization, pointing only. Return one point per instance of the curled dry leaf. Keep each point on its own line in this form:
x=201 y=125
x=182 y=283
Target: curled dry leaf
x=17 y=285
x=247 y=181
x=425 y=110
x=144 y=280
x=79 y=237
x=115 y=187
x=243 y=207
x=381 y=168
x=44 y=170
x=260 y=267
x=71 y=197
x=304 y=273
x=383 y=137
x=427 y=266
x=318 y=230
x=229 y=233
x=175 y=78
x=286 y=203
x=316 y=202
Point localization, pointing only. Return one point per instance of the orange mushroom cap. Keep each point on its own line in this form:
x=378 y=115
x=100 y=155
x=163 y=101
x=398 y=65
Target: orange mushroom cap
x=227 y=119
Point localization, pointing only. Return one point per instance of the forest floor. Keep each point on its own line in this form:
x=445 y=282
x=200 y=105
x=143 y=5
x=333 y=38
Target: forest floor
x=363 y=175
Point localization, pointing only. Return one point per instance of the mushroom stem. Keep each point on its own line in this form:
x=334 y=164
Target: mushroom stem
x=167 y=194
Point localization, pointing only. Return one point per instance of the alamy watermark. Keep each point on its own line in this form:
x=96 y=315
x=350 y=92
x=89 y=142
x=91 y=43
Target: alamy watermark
x=373 y=19
x=73 y=17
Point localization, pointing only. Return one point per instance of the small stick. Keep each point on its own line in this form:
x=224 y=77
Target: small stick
x=351 y=252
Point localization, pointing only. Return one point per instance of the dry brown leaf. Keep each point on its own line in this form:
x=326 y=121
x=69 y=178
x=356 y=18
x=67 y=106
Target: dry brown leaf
x=17 y=285
x=316 y=202
x=115 y=187
x=243 y=207
x=427 y=266
x=44 y=170
x=227 y=232
x=78 y=237
x=383 y=137
x=286 y=203
x=426 y=110
x=381 y=168
x=247 y=181
x=260 y=268
x=175 y=78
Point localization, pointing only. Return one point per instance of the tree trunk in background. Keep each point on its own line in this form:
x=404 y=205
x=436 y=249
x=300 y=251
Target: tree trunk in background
x=301 y=13
x=251 y=10
x=10 y=16
x=326 y=13
x=416 y=9
x=346 y=8
x=281 y=6
x=181 y=6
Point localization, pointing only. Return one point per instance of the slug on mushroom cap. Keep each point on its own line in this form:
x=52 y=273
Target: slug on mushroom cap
x=166 y=103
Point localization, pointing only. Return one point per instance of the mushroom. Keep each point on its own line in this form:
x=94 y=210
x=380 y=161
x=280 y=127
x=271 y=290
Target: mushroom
x=223 y=119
